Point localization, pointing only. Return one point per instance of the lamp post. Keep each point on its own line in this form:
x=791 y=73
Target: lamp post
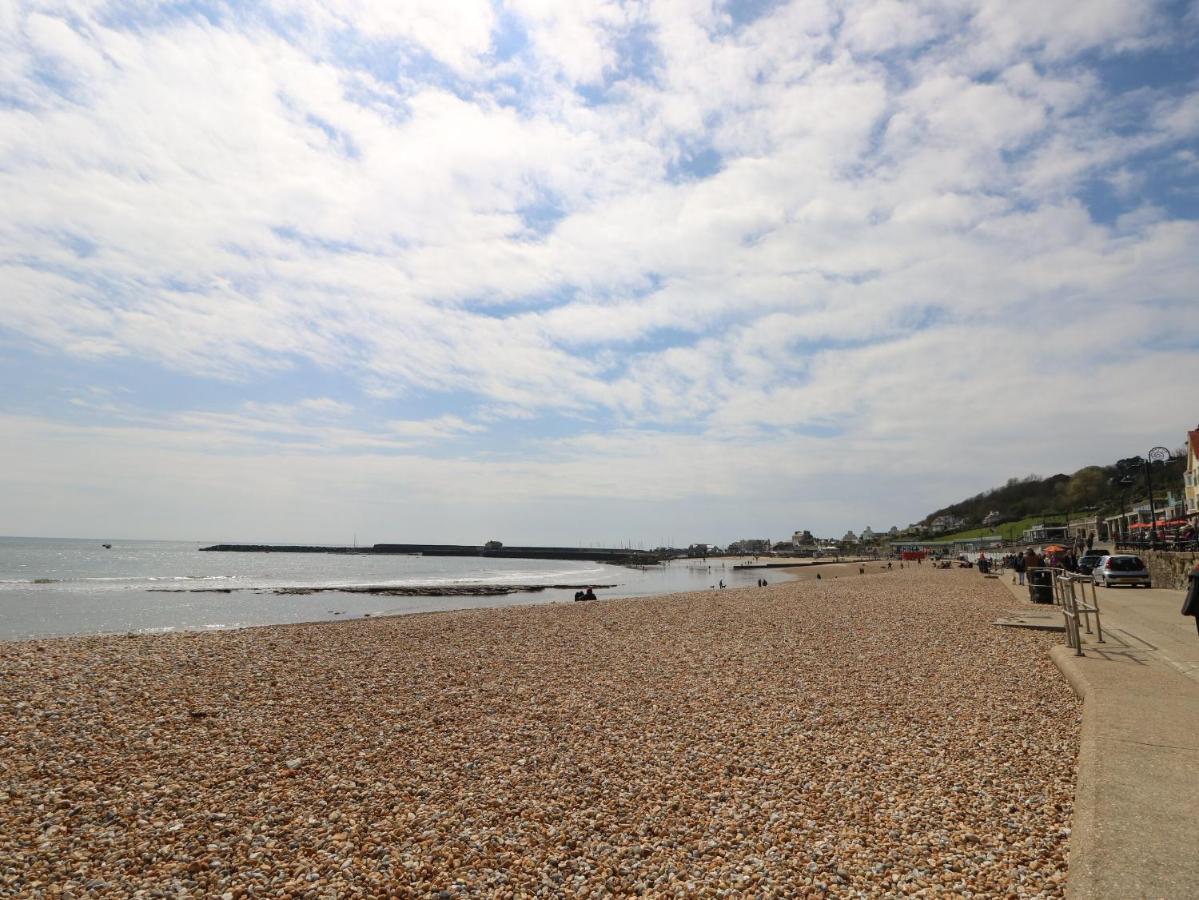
x=1156 y=454
x=1124 y=481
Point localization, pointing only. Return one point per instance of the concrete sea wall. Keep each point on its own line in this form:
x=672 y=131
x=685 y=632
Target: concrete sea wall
x=1169 y=569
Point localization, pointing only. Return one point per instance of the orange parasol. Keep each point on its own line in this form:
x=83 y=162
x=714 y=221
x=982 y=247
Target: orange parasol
x=1054 y=548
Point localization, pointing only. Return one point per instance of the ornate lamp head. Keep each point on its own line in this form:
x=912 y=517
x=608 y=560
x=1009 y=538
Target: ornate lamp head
x=1159 y=454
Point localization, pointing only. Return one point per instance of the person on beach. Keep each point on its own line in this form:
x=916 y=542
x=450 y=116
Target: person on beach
x=589 y=595
x=1018 y=565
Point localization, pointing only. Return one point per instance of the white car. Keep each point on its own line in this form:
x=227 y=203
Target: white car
x=1122 y=569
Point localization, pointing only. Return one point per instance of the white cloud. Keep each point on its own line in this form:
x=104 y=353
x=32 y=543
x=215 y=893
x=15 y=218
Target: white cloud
x=875 y=26
x=881 y=191
x=457 y=34
x=441 y=427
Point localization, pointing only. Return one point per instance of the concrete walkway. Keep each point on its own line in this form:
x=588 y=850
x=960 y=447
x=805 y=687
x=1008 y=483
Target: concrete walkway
x=1137 y=799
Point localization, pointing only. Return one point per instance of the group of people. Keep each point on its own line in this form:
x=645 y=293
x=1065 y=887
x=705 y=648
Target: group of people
x=589 y=594
x=1020 y=563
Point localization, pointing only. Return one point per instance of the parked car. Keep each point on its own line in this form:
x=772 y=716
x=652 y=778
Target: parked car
x=1121 y=569
x=1090 y=559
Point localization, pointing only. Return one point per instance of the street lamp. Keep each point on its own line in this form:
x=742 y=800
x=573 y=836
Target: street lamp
x=1157 y=454
x=1123 y=482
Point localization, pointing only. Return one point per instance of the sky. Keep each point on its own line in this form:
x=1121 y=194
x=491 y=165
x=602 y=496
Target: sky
x=586 y=272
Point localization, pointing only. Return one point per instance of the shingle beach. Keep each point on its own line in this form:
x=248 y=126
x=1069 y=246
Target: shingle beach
x=860 y=736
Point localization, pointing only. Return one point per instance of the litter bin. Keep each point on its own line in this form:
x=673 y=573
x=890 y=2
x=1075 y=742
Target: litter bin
x=984 y=565
x=1040 y=586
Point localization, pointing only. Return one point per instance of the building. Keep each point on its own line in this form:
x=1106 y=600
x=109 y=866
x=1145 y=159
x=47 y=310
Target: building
x=1083 y=526
x=803 y=538
x=992 y=518
x=868 y=535
x=946 y=523
x=1190 y=478
x=1041 y=534
x=1138 y=520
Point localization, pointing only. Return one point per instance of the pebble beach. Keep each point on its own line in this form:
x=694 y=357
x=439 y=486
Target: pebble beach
x=856 y=736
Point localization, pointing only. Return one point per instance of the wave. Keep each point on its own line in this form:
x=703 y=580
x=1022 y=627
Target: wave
x=127 y=579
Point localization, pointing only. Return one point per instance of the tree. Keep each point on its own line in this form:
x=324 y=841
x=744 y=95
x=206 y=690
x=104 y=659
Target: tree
x=1085 y=488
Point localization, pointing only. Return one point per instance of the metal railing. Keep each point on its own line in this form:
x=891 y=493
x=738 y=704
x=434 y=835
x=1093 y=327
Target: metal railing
x=1070 y=595
x=1173 y=544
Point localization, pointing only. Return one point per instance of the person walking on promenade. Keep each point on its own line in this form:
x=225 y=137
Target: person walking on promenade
x=1018 y=565
x=1190 y=606
x=1090 y=541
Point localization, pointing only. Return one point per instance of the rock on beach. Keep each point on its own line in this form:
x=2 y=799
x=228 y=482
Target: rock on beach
x=862 y=736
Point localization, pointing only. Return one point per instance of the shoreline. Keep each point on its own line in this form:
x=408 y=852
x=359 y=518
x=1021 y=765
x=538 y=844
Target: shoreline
x=853 y=734
x=43 y=610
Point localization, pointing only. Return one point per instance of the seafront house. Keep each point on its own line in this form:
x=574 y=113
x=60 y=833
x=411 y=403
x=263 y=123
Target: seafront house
x=1042 y=533
x=945 y=523
x=1190 y=478
x=1082 y=526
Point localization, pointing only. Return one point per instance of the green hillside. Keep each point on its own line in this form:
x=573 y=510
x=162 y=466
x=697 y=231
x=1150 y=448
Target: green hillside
x=1022 y=502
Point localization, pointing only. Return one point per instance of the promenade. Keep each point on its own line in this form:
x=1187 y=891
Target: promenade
x=1138 y=766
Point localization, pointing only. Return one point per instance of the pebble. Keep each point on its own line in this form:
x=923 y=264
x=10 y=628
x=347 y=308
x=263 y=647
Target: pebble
x=853 y=737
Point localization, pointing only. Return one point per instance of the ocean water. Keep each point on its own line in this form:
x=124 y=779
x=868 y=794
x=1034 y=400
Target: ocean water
x=51 y=587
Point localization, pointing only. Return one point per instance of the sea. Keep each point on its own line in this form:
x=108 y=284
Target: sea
x=55 y=587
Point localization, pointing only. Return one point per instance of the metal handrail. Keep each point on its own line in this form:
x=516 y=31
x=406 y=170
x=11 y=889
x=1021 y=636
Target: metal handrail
x=1070 y=594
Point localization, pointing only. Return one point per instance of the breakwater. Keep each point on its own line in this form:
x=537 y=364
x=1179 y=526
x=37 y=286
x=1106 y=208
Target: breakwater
x=617 y=556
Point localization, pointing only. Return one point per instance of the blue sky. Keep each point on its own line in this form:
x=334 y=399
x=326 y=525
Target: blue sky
x=593 y=272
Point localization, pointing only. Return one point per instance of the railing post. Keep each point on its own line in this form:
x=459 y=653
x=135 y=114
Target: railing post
x=1086 y=609
x=1098 y=618
x=1078 y=648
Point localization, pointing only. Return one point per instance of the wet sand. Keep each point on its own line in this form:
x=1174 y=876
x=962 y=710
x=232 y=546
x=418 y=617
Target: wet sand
x=857 y=735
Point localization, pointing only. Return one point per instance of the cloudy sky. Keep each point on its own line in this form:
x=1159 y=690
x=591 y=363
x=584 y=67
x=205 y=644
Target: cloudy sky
x=584 y=270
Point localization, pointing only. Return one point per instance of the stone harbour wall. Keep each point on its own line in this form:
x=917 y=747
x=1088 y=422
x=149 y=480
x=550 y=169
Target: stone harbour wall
x=1168 y=568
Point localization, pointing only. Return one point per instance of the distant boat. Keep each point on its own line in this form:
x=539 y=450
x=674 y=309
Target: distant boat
x=106 y=546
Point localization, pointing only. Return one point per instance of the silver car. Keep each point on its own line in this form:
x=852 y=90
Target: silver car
x=1113 y=570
